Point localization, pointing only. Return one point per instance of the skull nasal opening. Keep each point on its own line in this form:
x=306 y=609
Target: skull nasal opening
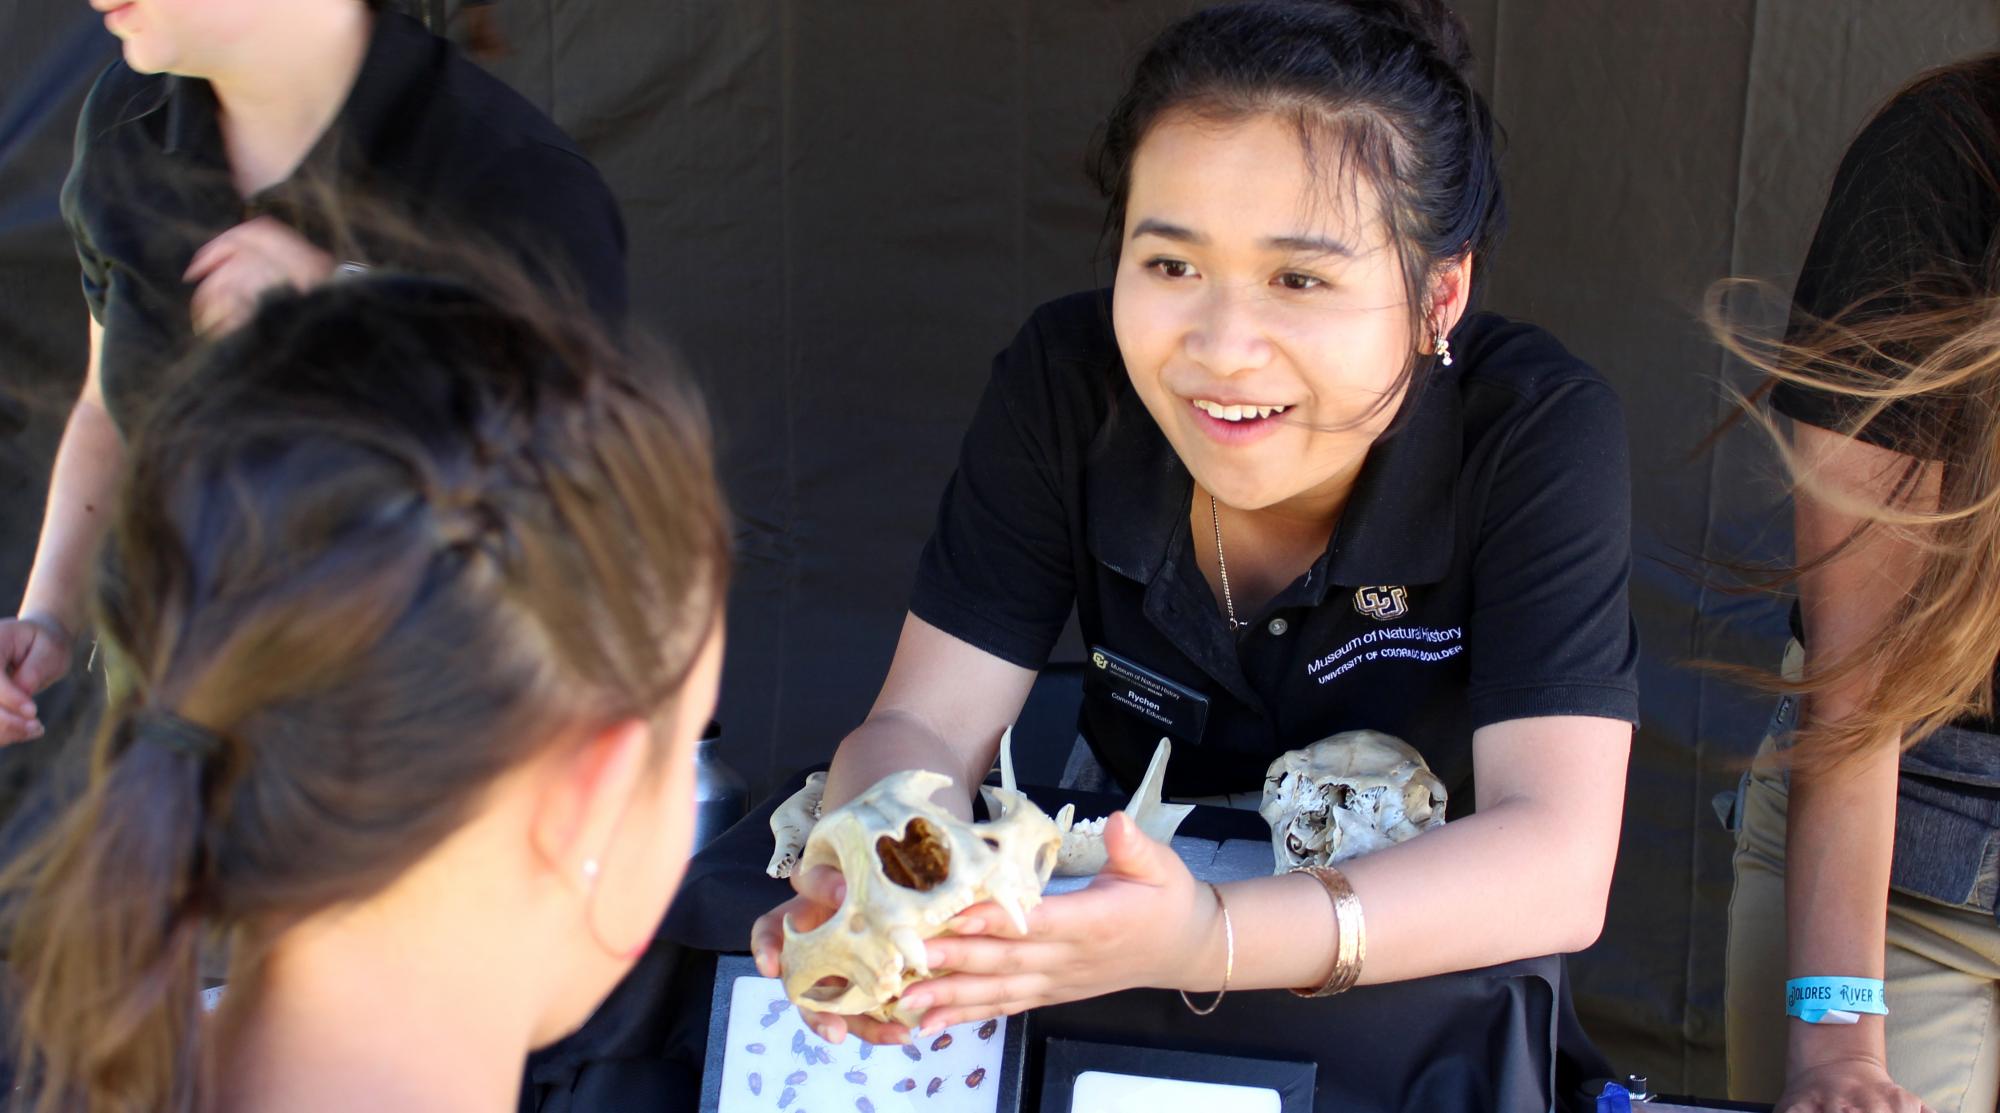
x=920 y=860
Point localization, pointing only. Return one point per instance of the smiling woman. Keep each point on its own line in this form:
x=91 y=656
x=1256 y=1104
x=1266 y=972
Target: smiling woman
x=1281 y=471
x=1250 y=317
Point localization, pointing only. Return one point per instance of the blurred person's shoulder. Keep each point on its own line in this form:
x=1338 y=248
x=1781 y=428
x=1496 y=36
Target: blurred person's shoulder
x=436 y=101
x=122 y=103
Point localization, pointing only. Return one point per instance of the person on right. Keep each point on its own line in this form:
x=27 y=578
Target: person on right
x=1864 y=954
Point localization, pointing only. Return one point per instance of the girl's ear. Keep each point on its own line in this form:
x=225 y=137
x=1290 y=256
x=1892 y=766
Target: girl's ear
x=1451 y=288
x=585 y=794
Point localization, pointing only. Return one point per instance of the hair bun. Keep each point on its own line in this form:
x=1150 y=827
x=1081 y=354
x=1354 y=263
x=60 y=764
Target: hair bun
x=1432 y=22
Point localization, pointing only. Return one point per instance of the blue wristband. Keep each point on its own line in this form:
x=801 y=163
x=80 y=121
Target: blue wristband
x=1834 y=1000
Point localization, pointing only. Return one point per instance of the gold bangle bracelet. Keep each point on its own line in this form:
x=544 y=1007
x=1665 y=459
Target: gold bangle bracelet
x=1351 y=936
x=1228 y=958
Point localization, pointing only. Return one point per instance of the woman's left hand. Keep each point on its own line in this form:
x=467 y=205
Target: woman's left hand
x=1145 y=921
x=235 y=269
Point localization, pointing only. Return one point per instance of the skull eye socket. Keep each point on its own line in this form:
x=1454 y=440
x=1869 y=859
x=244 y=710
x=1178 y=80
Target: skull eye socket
x=826 y=989
x=920 y=860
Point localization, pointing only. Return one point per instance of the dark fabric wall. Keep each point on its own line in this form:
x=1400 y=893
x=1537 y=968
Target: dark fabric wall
x=51 y=52
x=840 y=209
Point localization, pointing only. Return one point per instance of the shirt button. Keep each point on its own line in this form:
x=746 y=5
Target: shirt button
x=1278 y=627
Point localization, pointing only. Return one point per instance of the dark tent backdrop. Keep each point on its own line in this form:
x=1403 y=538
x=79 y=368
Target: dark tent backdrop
x=841 y=209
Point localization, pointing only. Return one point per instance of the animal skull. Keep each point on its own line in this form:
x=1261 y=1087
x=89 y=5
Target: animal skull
x=910 y=866
x=1082 y=853
x=1347 y=795
x=792 y=822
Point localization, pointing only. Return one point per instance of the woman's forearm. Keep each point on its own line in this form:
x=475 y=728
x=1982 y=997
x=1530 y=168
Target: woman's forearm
x=81 y=487
x=942 y=708
x=891 y=742
x=1839 y=839
x=1528 y=874
x=1490 y=888
x=1841 y=819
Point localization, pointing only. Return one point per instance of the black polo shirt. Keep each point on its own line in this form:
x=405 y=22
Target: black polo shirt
x=424 y=134
x=1478 y=573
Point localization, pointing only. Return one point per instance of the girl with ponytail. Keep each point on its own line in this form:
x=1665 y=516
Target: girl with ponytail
x=1291 y=485
x=412 y=606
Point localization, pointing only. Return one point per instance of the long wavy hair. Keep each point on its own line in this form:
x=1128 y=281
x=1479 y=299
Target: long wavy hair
x=1918 y=360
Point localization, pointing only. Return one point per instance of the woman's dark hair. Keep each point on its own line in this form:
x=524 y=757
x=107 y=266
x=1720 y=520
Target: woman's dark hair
x=386 y=542
x=1382 y=86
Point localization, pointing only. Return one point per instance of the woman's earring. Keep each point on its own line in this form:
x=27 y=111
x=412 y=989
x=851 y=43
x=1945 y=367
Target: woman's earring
x=590 y=871
x=1443 y=349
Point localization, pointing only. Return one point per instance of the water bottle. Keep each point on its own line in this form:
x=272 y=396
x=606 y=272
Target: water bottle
x=720 y=793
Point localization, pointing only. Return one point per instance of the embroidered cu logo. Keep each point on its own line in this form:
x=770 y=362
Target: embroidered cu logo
x=1382 y=603
x=1098 y=660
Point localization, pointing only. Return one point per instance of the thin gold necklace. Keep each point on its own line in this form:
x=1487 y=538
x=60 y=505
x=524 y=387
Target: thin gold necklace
x=1222 y=564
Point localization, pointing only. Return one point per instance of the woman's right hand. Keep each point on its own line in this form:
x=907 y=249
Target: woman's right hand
x=821 y=891
x=1860 y=1085
x=34 y=653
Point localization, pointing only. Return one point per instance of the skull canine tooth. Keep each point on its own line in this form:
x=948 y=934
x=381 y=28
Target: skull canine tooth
x=1016 y=915
x=911 y=946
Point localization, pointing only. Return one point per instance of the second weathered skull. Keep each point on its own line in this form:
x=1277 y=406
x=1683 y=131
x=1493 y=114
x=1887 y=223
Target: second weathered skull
x=1347 y=795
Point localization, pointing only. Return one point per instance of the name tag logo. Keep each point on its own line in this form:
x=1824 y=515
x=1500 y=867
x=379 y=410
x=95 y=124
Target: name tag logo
x=1163 y=703
x=1382 y=603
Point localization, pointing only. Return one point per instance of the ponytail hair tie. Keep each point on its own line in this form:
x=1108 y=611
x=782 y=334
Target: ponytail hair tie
x=170 y=731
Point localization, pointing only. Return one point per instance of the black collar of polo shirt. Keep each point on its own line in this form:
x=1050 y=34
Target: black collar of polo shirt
x=1398 y=527
x=193 y=127
x=1401 y=520
x=399 y=50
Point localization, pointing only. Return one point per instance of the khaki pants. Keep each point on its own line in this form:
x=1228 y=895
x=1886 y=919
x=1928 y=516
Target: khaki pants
x=1942 y=968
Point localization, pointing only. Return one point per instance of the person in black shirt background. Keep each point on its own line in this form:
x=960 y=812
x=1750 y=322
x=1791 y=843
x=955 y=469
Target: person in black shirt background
x=214 y=163
x=1865 y=849
x=1280 y=471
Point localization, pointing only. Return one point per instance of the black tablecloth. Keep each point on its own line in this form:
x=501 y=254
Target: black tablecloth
x=1464 y=1042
